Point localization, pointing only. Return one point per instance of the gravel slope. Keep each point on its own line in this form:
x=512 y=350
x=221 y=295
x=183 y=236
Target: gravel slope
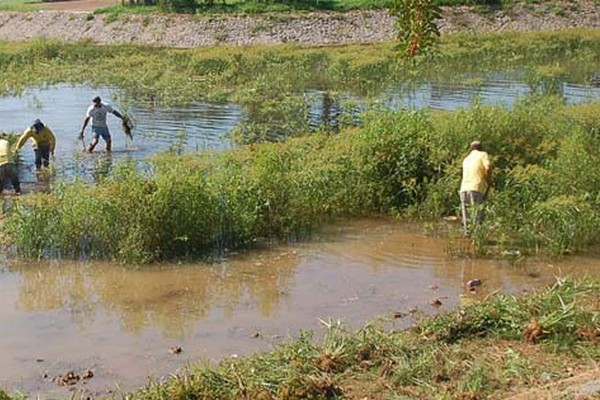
x=310 y=29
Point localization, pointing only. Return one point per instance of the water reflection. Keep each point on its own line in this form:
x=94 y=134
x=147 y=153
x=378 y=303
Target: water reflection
x=121 y=321
x=170 y=297
x=200 y=126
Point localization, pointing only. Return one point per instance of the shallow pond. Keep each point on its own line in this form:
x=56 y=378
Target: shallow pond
x=121 y=322
x=200 y=126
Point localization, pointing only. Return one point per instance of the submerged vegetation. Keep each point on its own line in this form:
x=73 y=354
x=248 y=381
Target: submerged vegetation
x=401 y=163
x=497 y=347
x=169 y=76
x=273 y=84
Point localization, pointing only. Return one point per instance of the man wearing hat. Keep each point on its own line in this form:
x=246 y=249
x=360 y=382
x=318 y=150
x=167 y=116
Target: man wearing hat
x=43 y=142
x=476 y=181
x=97 y=113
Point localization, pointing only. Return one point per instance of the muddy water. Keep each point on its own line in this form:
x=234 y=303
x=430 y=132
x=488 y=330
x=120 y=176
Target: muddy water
x=121 y=322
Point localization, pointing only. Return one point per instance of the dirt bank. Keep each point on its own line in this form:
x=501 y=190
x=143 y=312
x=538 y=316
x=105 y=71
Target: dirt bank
x=310 y=29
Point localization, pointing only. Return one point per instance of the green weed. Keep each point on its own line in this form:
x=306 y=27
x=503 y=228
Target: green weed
x=397 y=163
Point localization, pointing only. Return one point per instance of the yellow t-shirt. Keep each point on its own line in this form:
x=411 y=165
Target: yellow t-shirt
x=475 y=167
x=5 y=153
x=44 y=136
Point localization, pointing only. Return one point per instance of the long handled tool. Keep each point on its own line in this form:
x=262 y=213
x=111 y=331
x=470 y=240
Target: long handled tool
x=82 y=141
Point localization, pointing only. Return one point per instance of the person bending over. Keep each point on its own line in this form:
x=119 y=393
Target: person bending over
x=44 y=142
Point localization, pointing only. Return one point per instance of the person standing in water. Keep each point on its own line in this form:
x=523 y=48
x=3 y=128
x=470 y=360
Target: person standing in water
x=8 y=169
x=476 y=182
x=97 y=113
x=44 y=143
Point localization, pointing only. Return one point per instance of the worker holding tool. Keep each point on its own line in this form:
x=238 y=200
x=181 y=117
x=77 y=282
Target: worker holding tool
x=44 y=142
x=97 y=113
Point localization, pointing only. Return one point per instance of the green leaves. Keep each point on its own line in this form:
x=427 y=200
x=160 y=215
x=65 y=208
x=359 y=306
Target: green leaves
x=416 y=26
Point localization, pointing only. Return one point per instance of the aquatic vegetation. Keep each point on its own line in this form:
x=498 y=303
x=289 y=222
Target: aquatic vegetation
x=401 y=163
x=483 y=350
x=274 y=80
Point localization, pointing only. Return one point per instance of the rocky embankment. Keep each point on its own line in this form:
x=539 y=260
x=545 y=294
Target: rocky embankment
x=309 y=29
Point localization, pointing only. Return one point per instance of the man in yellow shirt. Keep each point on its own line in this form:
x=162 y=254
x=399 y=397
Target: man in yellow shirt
x=8 y=170
x=44 y=142
x=476 y=181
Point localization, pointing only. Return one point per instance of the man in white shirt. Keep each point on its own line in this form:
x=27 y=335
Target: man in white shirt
x=97 y=113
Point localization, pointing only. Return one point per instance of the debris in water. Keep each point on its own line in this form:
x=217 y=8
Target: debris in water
x=255 y=335
x=511 y=253
x=473 y=283
x=67 y=379
x=434 y=286
x=87 y=374
x=436 y=303
x=176 y=349
x=399 y=314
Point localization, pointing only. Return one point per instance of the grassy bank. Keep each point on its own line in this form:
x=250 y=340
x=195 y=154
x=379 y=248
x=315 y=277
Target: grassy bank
x=486 y=350
x=177 y=76
x=401 y=163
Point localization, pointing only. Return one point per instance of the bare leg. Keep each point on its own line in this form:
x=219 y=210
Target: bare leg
x=465 y=216
x=93 y=145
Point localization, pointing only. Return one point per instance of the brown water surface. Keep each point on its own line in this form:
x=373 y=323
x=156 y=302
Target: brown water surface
x=121 y=322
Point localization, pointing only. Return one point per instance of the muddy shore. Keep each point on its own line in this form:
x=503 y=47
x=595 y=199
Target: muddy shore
x=307 y=29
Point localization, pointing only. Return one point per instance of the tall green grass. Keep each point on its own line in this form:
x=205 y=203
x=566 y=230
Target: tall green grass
x=402 y=163
x=193 y=204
